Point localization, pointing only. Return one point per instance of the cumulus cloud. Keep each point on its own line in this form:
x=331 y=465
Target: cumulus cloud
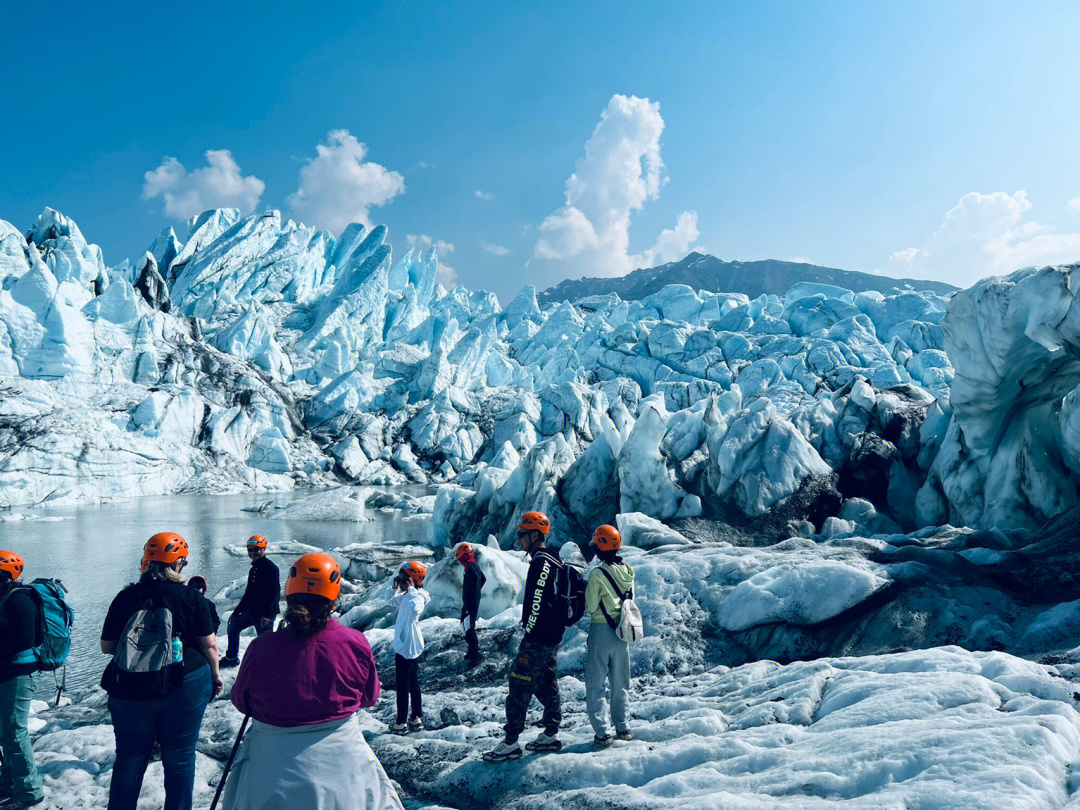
x=494 y=250
x=985 y=235
x=339 y=185
x=219 y=184
x=621 y=171
x=483 y=195
x=1074 y=204
x=446 y=275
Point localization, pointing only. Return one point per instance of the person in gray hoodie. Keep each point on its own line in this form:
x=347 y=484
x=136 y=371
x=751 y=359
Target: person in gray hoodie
x=607 y=657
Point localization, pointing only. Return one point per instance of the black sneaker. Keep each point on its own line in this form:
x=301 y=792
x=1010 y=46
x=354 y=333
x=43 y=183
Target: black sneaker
x=228 y=662
x=625 y=736
x=604 y=742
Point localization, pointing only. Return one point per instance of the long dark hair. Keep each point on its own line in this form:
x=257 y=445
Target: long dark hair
x=307 y=614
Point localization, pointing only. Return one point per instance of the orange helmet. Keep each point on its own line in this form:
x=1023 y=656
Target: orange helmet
x=536 y=522
x=256 y=541
x=315 y=573
x=12 y=563
x=164 y=547
x=414 y=571
x=463 y=551
x=607 y=538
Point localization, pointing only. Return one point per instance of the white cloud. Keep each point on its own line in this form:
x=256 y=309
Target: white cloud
x=495 y=250
x=483 y=195
x=985 y=235
x=338 y=186
x=1074 y=204
x=446 y=275
x=219 y=184
x=620 y=172
x=673 y=243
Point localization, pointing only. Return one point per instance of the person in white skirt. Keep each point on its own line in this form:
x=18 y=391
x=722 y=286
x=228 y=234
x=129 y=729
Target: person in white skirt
x=302 y=686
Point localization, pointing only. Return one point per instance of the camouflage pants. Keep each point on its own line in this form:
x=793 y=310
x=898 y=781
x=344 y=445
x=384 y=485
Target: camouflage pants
x=533 y=673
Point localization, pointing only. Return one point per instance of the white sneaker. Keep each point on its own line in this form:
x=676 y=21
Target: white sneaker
x=545 y=742
x=401 y=728
x=503 y=751
x=416 y=724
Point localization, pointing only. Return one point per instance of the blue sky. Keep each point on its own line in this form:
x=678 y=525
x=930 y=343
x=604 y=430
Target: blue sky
x=927 y=139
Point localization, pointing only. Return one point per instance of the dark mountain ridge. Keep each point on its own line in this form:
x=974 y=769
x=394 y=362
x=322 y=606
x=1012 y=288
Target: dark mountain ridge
x=705 y=272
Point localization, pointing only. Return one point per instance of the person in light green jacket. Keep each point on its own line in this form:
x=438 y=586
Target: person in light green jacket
x=607 y=657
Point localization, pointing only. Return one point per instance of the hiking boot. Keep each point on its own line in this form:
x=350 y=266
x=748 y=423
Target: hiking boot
x=228 y=662
x=416 y=724
x=625 y=736
x=605 y=741
x=503 y=752
x=545 y=742
x=401 y=728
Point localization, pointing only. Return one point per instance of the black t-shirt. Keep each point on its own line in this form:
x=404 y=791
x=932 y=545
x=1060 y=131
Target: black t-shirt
x=190 y=611
x=18 y=629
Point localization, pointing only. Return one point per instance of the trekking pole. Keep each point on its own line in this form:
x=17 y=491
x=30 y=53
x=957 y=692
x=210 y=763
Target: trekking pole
x=228 y=765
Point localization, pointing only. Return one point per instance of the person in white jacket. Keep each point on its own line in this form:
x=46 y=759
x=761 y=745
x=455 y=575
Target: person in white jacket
x=410 y=599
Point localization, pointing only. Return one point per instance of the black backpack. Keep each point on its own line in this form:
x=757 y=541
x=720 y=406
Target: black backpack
x=569 y=589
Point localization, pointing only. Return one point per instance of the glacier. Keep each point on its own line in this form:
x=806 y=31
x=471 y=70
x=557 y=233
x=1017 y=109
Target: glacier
x=852 y=514
x=258 y=353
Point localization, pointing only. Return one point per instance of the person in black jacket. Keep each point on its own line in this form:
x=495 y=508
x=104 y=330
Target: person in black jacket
x=533 y=671
x=201 y=585
x=473 y=583
x=259 y=605
x=20 y=782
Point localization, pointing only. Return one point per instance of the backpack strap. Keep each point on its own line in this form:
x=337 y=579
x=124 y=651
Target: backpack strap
x=622 y=597
x=611 y=622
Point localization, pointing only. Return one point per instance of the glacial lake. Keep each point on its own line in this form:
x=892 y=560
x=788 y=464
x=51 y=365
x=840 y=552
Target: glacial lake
x=95 y=551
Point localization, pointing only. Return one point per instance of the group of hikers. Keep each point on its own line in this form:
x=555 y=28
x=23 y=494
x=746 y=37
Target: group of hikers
x=302 y=684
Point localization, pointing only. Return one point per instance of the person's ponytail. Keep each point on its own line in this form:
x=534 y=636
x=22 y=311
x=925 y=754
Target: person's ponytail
x=307 y=614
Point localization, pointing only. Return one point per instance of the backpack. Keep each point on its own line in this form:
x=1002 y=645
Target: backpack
x=569 y=590
x=54 y=621
x=630 y=627
x=144 y=666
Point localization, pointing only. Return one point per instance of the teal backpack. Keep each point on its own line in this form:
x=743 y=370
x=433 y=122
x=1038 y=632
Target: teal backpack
x=54 y=625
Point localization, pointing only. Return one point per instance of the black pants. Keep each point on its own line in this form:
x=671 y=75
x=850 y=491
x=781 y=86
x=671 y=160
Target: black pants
x=407 y=684
x=473 y=653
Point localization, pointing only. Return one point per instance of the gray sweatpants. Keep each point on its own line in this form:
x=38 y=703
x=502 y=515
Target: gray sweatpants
x=607 y=659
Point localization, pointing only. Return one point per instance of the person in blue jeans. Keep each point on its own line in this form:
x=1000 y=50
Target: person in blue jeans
x=163 y=704
x=20 y=783
x=259 y=605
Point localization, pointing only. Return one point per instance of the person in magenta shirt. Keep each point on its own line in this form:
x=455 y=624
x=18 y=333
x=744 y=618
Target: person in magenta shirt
x=302 y=686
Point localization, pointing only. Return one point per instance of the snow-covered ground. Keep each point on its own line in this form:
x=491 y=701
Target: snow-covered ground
x=769 y=677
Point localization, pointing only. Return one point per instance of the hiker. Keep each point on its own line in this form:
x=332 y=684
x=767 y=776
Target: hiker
x=410 y=599
x=473 y=583
x=163 y=673
x=20 y=782
x=201 y=586
x=302 y=686
x=259 y=605
x=607 y=657
x=533 y=670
